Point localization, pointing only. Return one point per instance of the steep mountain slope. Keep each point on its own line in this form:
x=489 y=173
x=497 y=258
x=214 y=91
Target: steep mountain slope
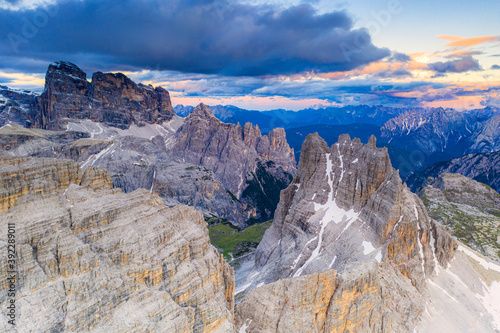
x=488 y=139
x=482 y=167
x=133 y=160
x=90 y=258
x=16 y=106
x=352 y=249
x=123 y=126
x=469 y=209
x=254 y=168
x=137 y=157
x=444 y=130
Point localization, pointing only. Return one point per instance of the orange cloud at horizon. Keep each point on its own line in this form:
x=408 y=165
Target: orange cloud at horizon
x=460 y=103
x=458 y=41
x=23 y=81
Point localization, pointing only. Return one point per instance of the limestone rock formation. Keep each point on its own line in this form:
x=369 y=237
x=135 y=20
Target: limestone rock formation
x=349 y=197
x=251 y=166
x=134 y=160
x=351 y=249
x=112 y=99
x=90 y=258
x=470 y=210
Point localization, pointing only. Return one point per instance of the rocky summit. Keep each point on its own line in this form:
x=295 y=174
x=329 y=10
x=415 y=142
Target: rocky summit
x=112 y=99
x=93 y=259
x=252 y=166
x=351 y=249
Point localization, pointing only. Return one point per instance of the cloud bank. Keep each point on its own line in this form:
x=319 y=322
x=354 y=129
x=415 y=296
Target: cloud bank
x=197 y=36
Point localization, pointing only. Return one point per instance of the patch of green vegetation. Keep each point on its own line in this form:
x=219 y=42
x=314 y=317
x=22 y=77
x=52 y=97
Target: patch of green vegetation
x=213 y=220
x=225 y=237
x=477 y=231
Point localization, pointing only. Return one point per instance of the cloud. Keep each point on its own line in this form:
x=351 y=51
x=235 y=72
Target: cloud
x=495 y=67
x=460 y=65
x=458 y=41
x=198 y=36
x=401 y=72
x=455 y=53
x=24 y=4
x=400 y=57
x=492 y=99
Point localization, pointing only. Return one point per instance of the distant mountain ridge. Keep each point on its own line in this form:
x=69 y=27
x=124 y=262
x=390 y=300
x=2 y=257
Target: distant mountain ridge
x=376 y=115
x=445 y=130
x=416 y=138
x=482 y=167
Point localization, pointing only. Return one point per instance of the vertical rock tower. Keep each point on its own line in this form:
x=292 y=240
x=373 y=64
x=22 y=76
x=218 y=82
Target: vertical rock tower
x=350 y=248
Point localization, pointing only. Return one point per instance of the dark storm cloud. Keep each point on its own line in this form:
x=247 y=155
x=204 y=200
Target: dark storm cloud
x=462 y=64
x=222 y=37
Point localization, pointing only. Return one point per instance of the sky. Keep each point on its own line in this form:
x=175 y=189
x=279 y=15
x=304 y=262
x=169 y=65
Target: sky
x=267 y=54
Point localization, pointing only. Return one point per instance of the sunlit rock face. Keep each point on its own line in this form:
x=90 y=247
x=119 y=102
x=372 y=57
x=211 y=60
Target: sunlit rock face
x=351 y=249
x=91 y=258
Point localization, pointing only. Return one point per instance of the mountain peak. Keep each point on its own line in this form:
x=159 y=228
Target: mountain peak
x=349 y=196
x=111 y=98
x=66 y=68
x=201 y=111
x=348 y=227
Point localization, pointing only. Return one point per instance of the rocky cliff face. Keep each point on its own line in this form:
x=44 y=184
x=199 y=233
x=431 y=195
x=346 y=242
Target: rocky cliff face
x=351 y=249
x=112 y=99
x=137 y=157
x=484 y=168
x=134 y=160
x=349 y=196
x=488 y=139
x=90 y=258
x=444 y=130
x=250 y=165
x=17 y=106
x=470 y=210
